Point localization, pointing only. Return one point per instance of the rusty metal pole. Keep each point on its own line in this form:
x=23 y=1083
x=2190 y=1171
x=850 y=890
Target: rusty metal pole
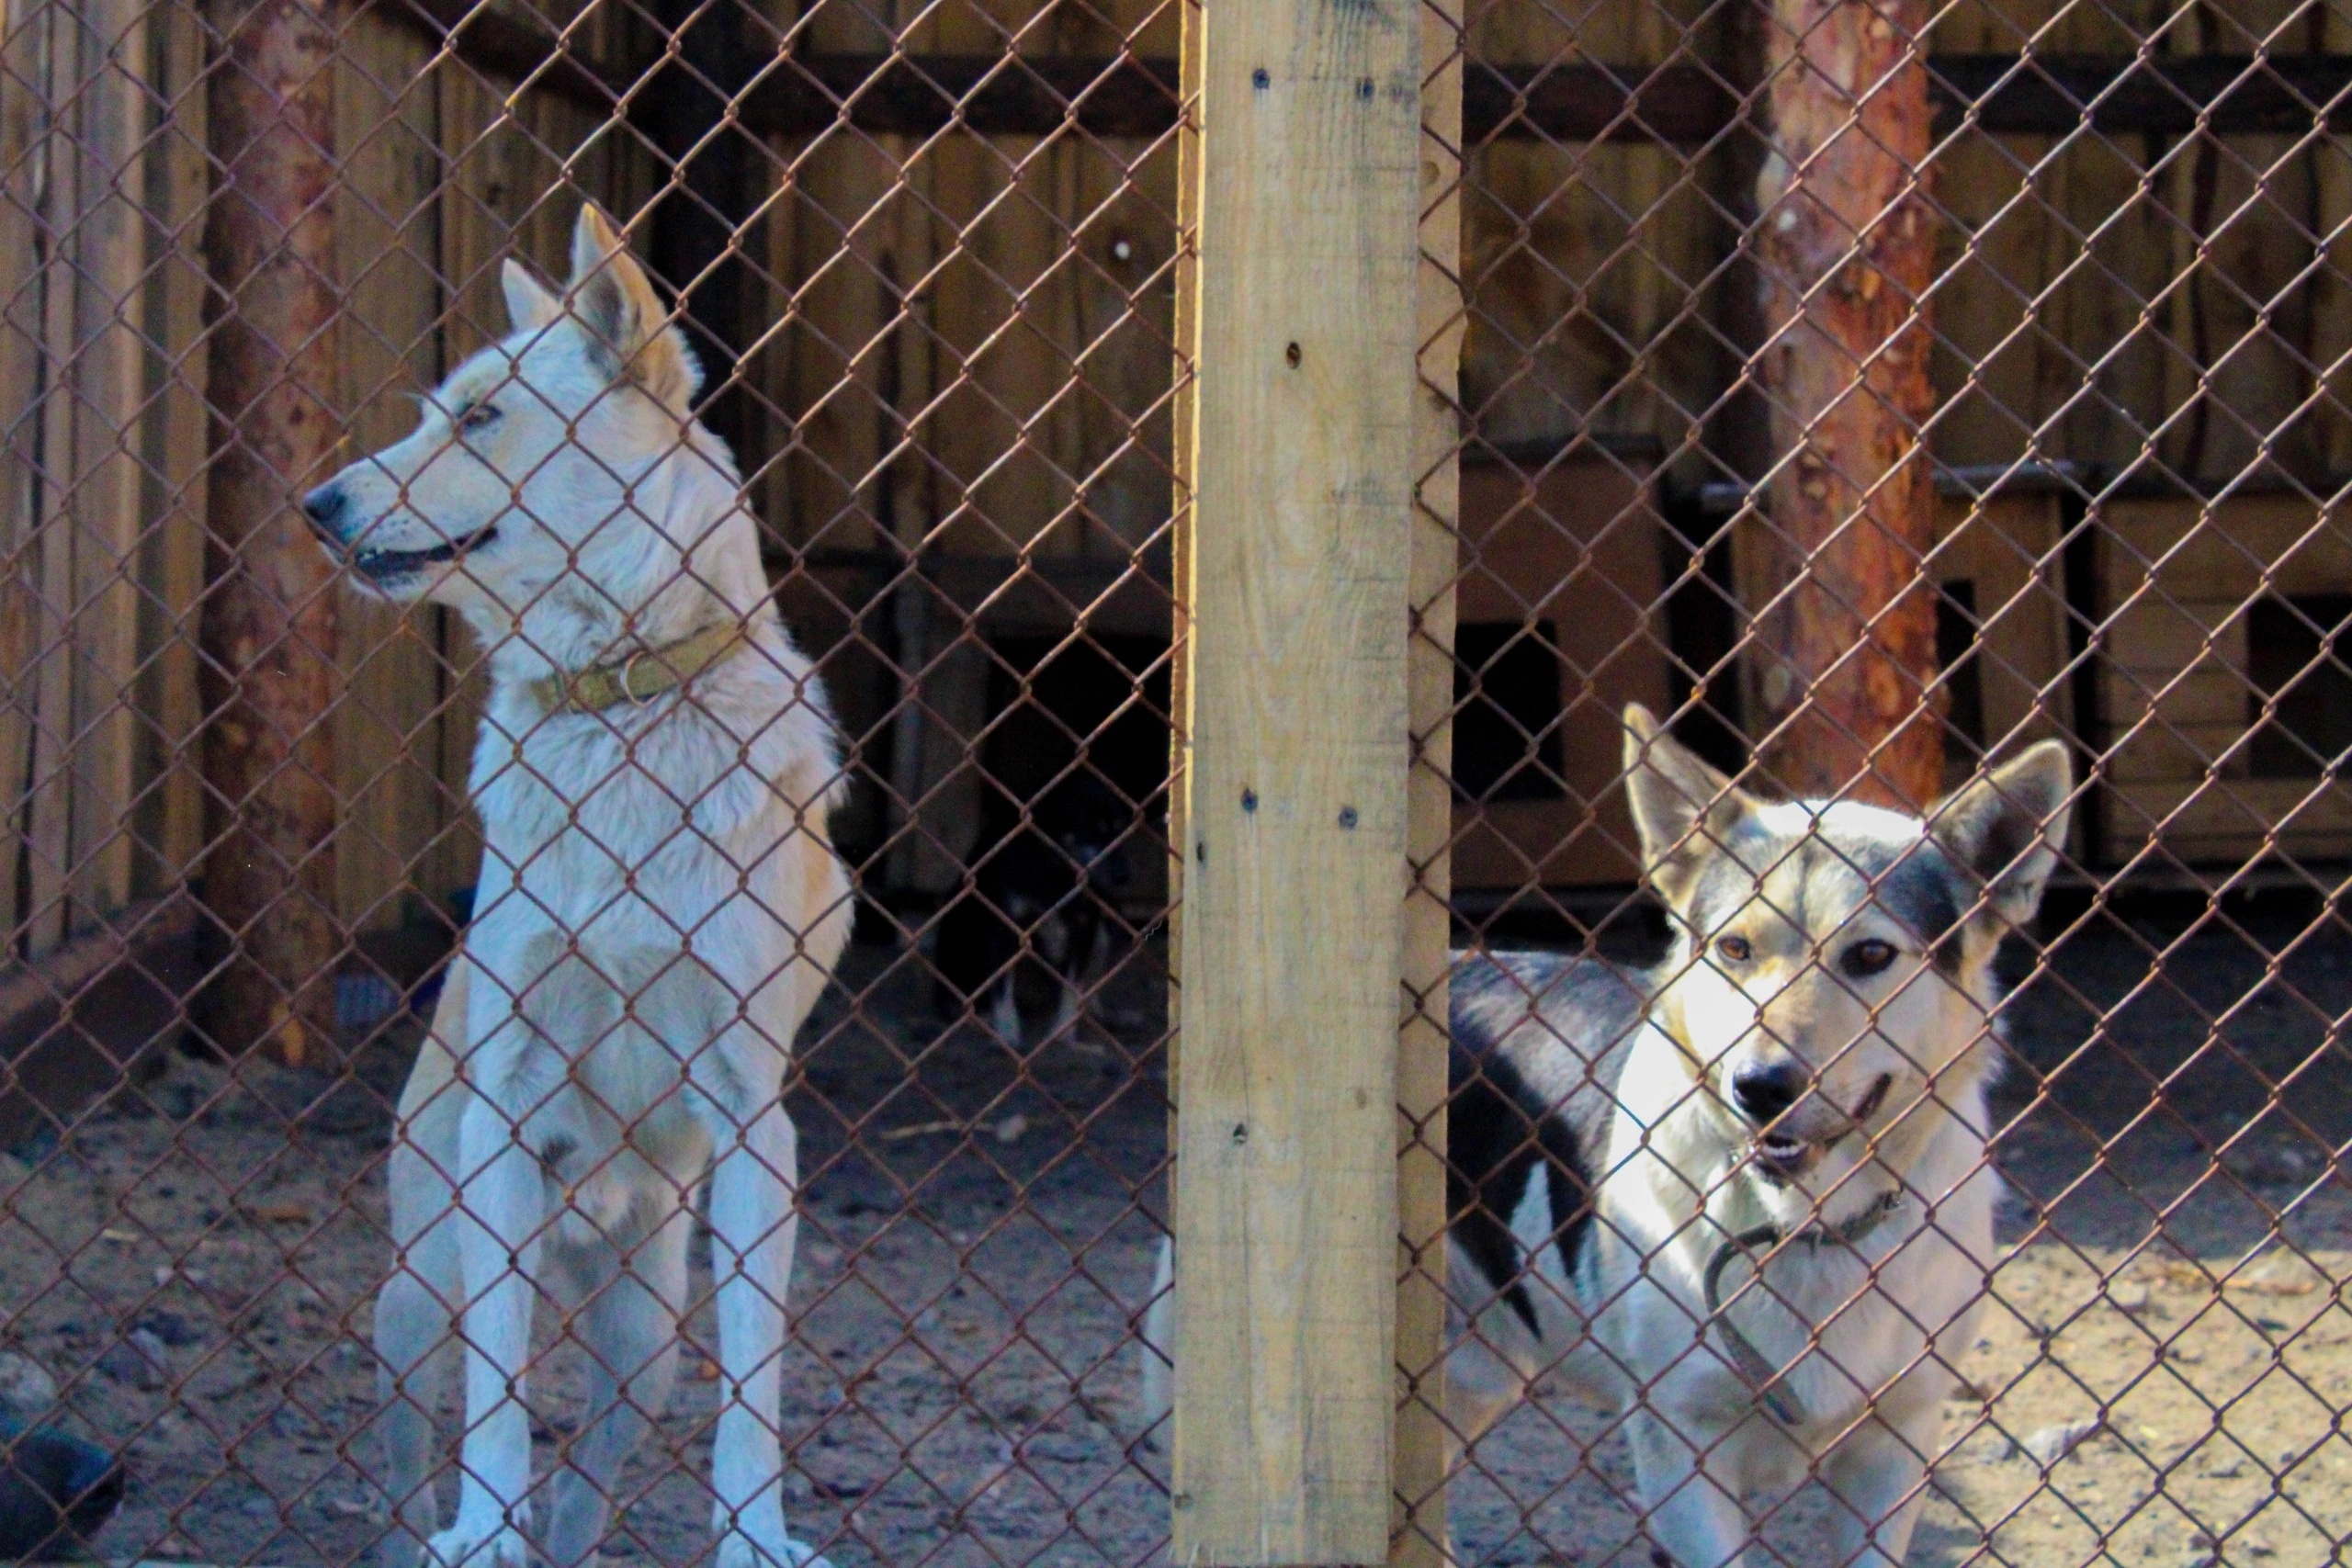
x=268 y=631
x=1845 y=643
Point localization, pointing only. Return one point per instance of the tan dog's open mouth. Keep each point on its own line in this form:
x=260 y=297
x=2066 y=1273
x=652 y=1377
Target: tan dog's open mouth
x=1784 y=1155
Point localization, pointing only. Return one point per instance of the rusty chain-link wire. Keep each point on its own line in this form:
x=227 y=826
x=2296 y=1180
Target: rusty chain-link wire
x=927 y=259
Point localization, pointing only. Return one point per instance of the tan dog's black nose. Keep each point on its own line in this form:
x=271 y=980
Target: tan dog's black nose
x=1766 y=1089
x=322 y=506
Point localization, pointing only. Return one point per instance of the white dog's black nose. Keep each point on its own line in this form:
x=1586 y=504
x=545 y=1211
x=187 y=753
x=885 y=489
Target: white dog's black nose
x=1765 y=1090
x=322 y=506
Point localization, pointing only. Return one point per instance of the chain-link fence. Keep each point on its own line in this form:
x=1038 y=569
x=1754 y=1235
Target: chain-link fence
x=748 y=677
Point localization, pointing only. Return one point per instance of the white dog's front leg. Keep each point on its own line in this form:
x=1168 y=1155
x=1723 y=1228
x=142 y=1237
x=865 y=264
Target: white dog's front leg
x=505 y=1204
x=754 y=1223
x=1874 y=1475
x=1694 y=1521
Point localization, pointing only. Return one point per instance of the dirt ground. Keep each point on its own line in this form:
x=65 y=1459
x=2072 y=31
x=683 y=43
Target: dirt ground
x=193 y=1265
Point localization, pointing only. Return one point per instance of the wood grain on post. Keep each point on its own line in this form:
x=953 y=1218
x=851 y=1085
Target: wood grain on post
x=1844 y=656
x=269 y=612
x=1183 y=407
x=1302 y=547
x=1417 y=1537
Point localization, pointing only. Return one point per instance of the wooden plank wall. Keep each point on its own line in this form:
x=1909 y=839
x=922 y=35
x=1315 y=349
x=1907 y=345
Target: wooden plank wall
x=1596 y=282
x=969 y=353
x=2177 y=690
x=974 y=361
x=1586 y=265
x=98 y=459
x=2070 y=229
x=101 y=476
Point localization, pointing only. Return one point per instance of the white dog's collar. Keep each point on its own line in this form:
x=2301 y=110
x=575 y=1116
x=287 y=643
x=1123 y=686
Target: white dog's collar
x=638 y=677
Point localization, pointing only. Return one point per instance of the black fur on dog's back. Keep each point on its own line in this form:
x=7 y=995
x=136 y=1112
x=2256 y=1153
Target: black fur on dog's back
x=1539 y=1043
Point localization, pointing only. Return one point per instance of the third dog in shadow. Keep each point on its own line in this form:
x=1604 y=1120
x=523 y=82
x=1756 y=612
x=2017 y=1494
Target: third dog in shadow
x=1021 y=945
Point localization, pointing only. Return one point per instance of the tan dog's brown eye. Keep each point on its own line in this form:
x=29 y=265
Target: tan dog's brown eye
x=1733 y=947
x=478 y=416
x=1869 y=957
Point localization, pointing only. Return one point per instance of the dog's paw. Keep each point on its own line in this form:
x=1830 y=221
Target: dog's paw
x=463 y=1546
x=739 y=1551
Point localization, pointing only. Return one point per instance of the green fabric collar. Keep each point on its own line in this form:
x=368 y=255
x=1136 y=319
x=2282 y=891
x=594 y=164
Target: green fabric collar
x=639 y=678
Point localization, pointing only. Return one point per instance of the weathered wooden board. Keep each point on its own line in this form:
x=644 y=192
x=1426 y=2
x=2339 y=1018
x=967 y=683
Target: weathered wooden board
x=168 y=817
x=2228 y=822
x=1418 y=1535
x=108 y=374
x=1302 y=551
x=23 y=347
x=388 y=726
x=2177 y=577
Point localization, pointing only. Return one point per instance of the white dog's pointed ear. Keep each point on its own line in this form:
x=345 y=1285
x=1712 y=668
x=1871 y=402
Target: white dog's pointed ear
x=1682 y=809
x=2009 y=826
x=531 y=305
x=624 y=318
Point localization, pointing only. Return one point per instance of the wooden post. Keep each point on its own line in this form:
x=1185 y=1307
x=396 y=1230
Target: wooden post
x=1418 y=1538
x=1183 y=409
x=1302 y=550
x=1845 y=652
x=269 y=614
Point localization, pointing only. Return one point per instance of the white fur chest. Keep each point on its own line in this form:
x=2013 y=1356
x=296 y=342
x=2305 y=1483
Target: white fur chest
x=1843 y=1323
x=641 y=827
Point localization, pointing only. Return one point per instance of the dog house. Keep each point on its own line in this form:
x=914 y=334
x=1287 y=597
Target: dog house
x=2001 y=619
x=2224 y=696
x=1560 y=624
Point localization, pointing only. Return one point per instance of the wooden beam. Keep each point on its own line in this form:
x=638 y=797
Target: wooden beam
x=990 y=94
x=268 y=631
x=1183 y=415
x=1567 y=101
x=1301 y=544
x=1841 y=661
x=501 y=44
x=2052 y=95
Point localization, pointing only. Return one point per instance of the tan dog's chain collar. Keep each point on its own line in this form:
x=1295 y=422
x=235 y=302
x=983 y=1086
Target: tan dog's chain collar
x=1777 y=1396
x=639 y=678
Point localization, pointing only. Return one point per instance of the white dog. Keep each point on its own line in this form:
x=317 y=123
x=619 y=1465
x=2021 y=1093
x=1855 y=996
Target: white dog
x=1744 y=1197
x=659 y=909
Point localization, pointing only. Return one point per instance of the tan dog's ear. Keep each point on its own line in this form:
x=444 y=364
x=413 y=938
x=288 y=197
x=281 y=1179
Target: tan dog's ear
x=531 y=305
x=2008 y=827
x=1683 y=810
x=625 y=319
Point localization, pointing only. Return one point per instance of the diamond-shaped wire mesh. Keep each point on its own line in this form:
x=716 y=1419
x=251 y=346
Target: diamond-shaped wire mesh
x=839 y=779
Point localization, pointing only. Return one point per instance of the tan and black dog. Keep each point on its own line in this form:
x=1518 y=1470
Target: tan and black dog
x=1743 y=1196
